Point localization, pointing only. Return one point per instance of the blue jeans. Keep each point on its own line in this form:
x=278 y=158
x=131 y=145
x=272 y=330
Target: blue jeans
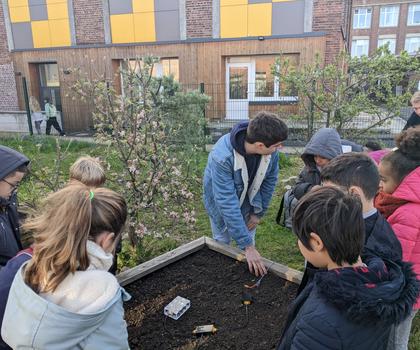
x=222 y=235
x=400 y=334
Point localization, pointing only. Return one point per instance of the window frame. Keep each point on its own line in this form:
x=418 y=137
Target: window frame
x=367 y=18
x=358 y=40
x=411 y=12
x=417 y=36
x=388 y=39
x=381 y=25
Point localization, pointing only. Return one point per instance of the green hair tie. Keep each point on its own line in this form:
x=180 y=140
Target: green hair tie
x=91 y=195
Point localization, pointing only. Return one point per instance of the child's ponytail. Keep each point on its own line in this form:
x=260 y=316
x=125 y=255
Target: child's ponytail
x=70 y=217
x=407 y=157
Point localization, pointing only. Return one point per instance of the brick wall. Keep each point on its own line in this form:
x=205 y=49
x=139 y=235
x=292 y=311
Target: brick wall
x=331 y=16
x=8 y=95
x=399 y=32
x=199 y=18
x=89 y=22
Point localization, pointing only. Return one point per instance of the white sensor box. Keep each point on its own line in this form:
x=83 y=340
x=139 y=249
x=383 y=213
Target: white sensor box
x=177 y=307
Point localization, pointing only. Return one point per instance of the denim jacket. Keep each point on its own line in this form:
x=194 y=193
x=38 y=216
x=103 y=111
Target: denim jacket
x=225 y=179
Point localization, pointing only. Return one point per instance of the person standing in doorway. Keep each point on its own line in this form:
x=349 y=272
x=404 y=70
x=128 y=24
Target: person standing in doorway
x=36 y=113
x=51 y=114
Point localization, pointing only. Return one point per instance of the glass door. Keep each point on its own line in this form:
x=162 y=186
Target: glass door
x=237 y=90
x=49 y=84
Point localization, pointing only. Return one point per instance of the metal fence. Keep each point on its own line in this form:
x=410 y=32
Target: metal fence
x=235 y=103
x=240 y=100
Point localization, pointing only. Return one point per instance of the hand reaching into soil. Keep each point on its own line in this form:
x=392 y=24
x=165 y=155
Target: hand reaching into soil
x=253 y=221
x=255 y=264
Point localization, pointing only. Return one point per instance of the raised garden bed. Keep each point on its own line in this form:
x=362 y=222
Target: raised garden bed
x=204 y=272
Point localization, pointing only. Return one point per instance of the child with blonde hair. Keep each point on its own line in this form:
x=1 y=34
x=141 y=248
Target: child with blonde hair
x=399 y=202
x=65 y=292
x=89 y=171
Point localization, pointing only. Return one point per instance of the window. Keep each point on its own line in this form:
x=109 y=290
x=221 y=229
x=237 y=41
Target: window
x=359 y=47
x=390 y=41
x=166 y=67
x=412 y=44
x=362 y=18
x=265 y=83
x=48 y=75
x=413 y=15
x=389 y=16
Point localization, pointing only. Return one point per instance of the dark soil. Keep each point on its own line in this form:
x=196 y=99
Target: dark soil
x=214 y=284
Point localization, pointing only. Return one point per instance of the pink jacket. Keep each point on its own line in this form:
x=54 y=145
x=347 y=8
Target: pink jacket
x=405 y=220
x=378 y=155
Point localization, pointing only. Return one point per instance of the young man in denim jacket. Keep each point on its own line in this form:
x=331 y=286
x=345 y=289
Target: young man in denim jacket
x=240 y=179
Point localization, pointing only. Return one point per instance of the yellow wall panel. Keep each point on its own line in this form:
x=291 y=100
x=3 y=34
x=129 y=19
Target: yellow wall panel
x=233 y=2
x=259 y=19
x=19 y=14
x=144 y=27
x=60 y=32
x=122 y=28
x=143 y=6
x=55 y=1
x=17 y=3
x=233 y=21
x=57 y=11
x=41 y=34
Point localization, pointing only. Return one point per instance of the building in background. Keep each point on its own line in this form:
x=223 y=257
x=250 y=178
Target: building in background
x=227 y=46
x=375 y=23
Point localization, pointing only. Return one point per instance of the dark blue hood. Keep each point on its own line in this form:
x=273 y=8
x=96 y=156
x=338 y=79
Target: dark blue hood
x=237 y=137
x=383 y=292
x=10 y=160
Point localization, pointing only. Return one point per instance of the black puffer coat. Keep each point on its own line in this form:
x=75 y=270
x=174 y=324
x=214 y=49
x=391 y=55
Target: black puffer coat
x=351 y=308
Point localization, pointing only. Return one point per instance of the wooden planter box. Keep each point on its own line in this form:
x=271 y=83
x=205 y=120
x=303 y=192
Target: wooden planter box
x=163 y=260
x=216 y=285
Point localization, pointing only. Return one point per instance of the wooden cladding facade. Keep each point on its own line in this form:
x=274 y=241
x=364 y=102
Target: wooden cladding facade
x=199 y=62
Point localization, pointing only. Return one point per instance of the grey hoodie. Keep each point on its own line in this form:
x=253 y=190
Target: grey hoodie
x=326 y=142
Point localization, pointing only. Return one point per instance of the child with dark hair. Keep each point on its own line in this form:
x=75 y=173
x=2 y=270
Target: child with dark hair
x=399 y=201
x=372 y=146
x=51 y=115
x=362 y=181
x=357 y=174
x=350 y=304
x=239 y=181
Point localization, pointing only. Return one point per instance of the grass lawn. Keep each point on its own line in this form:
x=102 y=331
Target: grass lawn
x=273 y=241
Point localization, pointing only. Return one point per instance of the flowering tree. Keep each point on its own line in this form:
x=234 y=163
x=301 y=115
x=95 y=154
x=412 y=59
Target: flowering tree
x=151 y=128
